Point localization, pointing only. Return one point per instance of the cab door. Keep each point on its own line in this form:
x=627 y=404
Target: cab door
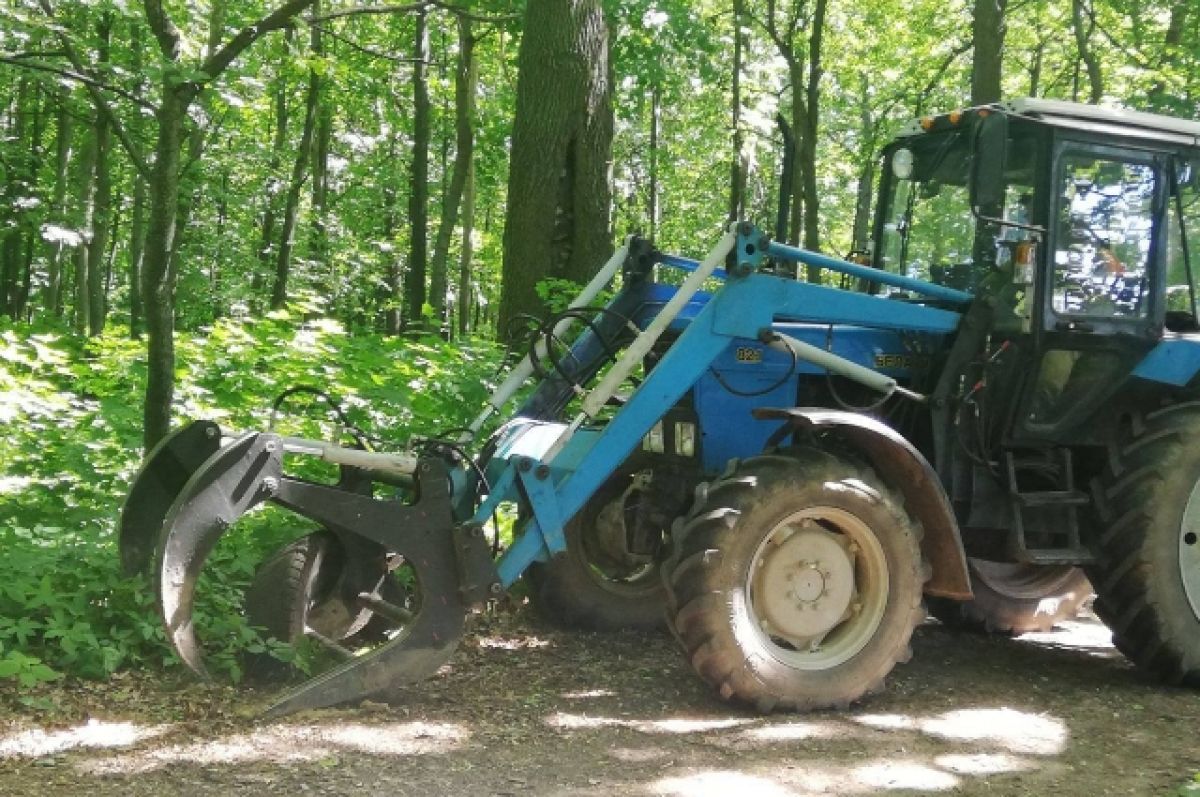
x=1101 y=298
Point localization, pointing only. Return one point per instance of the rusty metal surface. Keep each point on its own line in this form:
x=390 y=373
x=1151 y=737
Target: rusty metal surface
x=903 y=468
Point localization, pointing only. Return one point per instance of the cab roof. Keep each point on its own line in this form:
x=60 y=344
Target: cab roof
x=1094 y=119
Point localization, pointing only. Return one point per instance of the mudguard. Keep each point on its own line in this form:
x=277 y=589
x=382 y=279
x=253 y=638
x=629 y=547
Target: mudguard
x=903 y=468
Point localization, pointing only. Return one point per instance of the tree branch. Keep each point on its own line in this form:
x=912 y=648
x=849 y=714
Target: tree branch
x=163 y=28
x=219 y=61
x=361 y=48
x=367 y=10
x=22 y=61
x=98 y=99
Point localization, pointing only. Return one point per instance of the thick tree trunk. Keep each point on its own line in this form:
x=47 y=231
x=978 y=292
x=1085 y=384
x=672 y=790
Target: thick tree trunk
x=466 y=75
x=291 y=208
x=987 y=28
x=418 y=195
x=557 y=221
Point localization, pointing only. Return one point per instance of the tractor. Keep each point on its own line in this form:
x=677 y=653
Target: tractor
x=993 y=410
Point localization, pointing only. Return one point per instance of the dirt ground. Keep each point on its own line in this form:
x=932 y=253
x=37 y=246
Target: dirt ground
x=528 y=710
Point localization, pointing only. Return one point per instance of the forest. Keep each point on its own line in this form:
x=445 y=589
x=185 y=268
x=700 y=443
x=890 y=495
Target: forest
x=203 y=203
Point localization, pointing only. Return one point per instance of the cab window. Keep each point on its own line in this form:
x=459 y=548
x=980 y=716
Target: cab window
x=1105 y=227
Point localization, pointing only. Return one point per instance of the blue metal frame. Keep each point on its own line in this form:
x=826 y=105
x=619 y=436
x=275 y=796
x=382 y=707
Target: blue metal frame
x=748 y=303
x=868 y=273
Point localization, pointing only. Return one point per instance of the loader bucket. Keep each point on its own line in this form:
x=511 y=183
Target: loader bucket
x=445 y=560
x=161 y=478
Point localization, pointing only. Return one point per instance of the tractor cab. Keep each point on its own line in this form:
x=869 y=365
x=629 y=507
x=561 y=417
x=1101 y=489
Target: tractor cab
x=1079 y=224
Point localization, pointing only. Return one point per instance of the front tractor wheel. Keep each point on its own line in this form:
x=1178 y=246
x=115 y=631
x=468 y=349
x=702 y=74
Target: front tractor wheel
x=1148 y=576
x=796 y=582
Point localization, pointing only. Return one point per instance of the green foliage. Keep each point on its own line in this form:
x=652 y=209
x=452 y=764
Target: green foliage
x=72 y=444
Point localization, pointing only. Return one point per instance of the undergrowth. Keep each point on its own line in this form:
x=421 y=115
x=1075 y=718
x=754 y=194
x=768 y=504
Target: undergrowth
x=70 y=445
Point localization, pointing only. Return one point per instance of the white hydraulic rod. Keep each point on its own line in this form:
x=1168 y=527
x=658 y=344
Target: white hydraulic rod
x=642 y=344
x=839 y=365
x=401 y=463
x=522 y=371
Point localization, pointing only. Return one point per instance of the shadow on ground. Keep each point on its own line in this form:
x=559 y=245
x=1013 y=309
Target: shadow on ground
x=530 y=710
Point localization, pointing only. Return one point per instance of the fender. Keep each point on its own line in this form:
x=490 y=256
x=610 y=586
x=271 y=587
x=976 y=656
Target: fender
x=903 y=468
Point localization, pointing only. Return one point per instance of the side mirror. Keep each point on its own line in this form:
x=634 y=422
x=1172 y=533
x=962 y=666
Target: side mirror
x=988 y=150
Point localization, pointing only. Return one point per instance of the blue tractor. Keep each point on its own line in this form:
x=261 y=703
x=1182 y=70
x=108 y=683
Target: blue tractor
x=997 y=403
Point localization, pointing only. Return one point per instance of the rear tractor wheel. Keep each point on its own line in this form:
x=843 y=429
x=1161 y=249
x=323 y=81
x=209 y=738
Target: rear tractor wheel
x=1148 y=576
x=796 y=582
x=1014 y=598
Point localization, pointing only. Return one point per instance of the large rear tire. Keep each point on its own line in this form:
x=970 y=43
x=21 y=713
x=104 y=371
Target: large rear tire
x=795 y=582
x=1148 y=576
x=1013 y=598
x=597 y=585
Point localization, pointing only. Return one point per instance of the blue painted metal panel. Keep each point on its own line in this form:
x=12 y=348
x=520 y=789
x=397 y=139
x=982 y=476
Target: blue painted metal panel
x=1174 y=362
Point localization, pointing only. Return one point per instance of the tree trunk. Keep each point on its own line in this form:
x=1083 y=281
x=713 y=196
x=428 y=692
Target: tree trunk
x=101 y=218
x=465 y=285
x=808 y=139
x=466 y=75
x=987 y=28
x=137 y=222
x=418 y=195
x=266 y=244
x=395 y=264
x=652 y=203
x=18 y=183
x=52 y=302
x=1083 y=35
x=557 y=220
x=737 y=168
x=292 y=204
x=318 y=243
x=85 y=225
x=158 y=275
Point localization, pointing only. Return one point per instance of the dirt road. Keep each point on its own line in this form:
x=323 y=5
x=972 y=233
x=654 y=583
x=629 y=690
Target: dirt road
x=533 y=711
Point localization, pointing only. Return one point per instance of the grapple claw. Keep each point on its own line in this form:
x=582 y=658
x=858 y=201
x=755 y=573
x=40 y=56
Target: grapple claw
x=227 y=485
x=161 y=478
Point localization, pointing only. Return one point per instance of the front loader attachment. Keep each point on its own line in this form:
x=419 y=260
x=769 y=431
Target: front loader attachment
x=450 y=565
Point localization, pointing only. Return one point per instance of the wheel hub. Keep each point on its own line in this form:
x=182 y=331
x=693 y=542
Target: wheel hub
x=804 y=583
x=1189 y=550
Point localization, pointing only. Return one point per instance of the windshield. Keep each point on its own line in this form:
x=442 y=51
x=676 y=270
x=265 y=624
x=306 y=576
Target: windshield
x=928 y=230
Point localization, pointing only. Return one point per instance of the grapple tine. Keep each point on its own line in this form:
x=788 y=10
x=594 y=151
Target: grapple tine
x=228 y=484
x=159 y=481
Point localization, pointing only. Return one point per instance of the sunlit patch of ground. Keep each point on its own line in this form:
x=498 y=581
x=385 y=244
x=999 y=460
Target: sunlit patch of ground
x=1084 y=635
x=283 y=744
x=93 y=734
